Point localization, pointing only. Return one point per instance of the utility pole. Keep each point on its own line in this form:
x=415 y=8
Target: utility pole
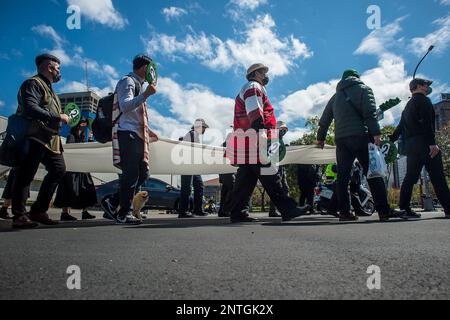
x=86 y=75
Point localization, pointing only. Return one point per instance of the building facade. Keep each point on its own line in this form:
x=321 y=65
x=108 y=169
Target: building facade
x=442 y=110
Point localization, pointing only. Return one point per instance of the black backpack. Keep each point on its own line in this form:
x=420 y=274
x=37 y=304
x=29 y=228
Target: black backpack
x=104 y=123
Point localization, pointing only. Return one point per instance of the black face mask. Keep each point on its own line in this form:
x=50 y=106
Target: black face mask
x=266 y=80
x=57 y=78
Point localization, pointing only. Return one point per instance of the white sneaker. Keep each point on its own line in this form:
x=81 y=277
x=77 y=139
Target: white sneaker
x=128 y=219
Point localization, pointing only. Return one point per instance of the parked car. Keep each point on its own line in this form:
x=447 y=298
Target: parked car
x=163 y=196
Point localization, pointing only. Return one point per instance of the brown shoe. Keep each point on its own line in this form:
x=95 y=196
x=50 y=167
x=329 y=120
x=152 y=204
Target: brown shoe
x=22 y=222
x=42 y=218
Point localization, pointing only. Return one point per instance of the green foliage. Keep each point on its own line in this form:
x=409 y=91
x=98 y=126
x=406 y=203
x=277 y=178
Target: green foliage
x=443 y=141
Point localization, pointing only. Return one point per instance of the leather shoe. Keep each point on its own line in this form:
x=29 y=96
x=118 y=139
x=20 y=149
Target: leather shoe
x=348 y=217
x=23 y=222
x=393 y=214
x=42 y=218
x=299 y=211
x=243 y=220
x=67 y=217
x=410 y=214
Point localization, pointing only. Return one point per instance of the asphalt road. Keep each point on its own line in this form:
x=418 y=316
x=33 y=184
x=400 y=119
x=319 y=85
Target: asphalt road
x=207 y=258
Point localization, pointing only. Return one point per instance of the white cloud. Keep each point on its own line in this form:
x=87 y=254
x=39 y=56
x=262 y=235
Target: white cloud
x=248 y=4
x=195 y=101
x=380 y=40
x=260 y=43
x=101 y=11
x=75 y=59
x=440 y=38
x=48 y=31
x=76 y=86
x=294 y=134
x=110 y=70
x=173 y=13
x=445 y=2
x=2 y=104
x=388 y=80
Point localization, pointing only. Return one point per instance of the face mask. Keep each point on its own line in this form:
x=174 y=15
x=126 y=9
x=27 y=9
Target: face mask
x=430 y=91
x=282 y=133
x=266 y=81
x=57 y=76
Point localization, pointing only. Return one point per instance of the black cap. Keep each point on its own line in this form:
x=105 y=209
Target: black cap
x=417 y=81
x=46 y=56
x=141 y=60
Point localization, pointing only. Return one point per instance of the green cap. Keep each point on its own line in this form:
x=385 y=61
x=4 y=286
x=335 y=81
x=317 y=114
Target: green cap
x=350 y=73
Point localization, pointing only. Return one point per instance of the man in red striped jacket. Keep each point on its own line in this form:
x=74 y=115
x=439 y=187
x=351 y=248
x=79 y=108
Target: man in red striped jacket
x=254 y=120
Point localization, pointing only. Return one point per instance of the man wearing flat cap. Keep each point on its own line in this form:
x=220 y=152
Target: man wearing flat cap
x=196 y=181
x=38 y=102
x=417 y=128
x=254 y=117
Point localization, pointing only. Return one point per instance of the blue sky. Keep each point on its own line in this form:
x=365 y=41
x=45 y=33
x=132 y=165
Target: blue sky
x=203 y=48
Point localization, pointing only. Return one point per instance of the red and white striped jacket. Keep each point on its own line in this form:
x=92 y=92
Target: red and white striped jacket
x=252 y=104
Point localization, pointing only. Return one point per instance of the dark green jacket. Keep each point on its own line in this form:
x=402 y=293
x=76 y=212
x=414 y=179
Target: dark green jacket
x=348 y=121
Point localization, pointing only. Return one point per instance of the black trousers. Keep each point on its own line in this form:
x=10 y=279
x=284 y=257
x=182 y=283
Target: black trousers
x=134 y=171
x=7 y=192
x=246 y=179
x=347 y=150
x=306 y=196
x=56 y=168
x=186 y=185
x=282 y=172
x=415 y=163
x=226 y=192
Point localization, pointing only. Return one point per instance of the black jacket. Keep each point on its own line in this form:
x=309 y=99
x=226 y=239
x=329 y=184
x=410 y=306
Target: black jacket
x=418 y=121
x=350 y=121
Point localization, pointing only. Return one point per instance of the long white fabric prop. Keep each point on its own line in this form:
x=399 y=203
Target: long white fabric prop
x=181 y=158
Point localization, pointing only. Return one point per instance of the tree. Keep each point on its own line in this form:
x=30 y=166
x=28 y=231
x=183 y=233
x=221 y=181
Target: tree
x=309 y=138
x=443 y=141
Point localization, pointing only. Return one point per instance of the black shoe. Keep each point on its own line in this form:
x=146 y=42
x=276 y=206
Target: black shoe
x=409 y=214
x=87 y=216
x=185 y=216
x=110 y=210
x=106 y=216
x=332 y=213
x=224 y=215
x=4 y=214
x=274 y=215
x=348 y=217
x=299 y=211
x=243 y=220
x=201 y=214
x=393 y=214
x=67 y=217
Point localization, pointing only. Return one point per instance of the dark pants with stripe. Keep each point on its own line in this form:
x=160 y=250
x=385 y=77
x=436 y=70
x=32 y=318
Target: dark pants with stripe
x=134 y=171
x=246 y=179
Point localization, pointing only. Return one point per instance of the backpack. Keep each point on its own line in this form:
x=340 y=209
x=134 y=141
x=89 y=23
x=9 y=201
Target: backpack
x=15 y=144
x=104 y=123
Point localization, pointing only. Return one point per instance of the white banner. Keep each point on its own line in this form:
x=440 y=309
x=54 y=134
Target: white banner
x=181 y=158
